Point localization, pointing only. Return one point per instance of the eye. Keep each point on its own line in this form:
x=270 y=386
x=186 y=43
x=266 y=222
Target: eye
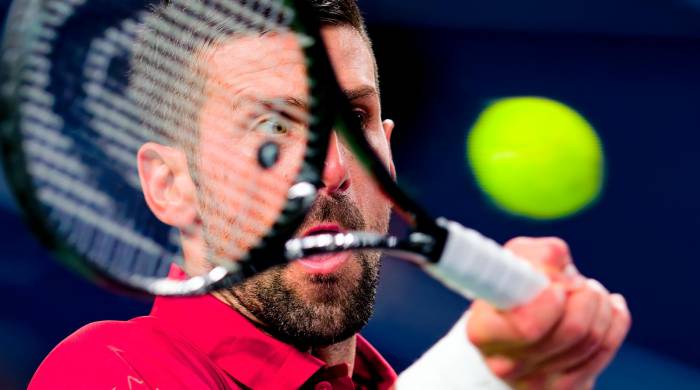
x=361 y=116
x=272 y=126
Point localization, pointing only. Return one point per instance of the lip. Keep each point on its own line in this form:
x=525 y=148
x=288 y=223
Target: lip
x=324 y=264
x=331 y=228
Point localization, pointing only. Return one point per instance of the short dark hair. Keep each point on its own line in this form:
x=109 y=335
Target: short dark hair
x=340 y=12
x=165 y=79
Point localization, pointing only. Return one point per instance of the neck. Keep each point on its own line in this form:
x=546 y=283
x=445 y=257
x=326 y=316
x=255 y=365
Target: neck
x=334 y=354
x=342 y=352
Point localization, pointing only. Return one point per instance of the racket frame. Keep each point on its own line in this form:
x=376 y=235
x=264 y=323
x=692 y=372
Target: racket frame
x=267 y=253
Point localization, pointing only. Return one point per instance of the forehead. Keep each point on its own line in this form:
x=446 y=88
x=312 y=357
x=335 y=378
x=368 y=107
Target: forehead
x=274 y=64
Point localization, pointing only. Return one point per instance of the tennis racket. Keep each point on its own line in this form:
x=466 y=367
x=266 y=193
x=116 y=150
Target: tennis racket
x=87 y=83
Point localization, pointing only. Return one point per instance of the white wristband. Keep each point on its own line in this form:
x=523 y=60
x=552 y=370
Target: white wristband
x=452 y=363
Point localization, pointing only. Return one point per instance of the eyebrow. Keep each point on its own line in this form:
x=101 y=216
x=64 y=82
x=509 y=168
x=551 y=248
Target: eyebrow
x=361 y=92
x=281 y=103
x=302 y=104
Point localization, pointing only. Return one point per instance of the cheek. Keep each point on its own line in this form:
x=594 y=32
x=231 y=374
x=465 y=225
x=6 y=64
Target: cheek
x=223 y=172
x=372 y=202
x=368 y=195
x=378 y=141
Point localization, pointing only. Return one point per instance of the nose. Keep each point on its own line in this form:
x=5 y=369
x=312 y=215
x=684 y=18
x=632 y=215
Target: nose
x=335 y=173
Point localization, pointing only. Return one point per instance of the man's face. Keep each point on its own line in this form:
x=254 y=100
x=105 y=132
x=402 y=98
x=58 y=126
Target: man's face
x=317 y=301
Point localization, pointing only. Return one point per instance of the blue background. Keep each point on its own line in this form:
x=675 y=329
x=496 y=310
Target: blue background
x=631 y=67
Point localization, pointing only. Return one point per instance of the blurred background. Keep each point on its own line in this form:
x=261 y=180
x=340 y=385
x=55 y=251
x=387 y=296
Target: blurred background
x=629 y=67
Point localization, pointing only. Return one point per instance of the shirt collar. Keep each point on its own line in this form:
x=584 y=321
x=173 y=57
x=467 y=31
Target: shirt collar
x=248 y=354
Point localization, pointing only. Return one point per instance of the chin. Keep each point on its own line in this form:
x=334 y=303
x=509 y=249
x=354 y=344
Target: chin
x=327 y=288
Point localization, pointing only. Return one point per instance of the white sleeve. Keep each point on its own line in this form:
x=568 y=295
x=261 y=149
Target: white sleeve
x=453 y=363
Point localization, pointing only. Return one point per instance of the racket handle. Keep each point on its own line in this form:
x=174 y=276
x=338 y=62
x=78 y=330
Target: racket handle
x=477 y=267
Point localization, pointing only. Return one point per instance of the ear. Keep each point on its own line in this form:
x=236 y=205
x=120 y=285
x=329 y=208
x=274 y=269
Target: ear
x=167 y=185
x=388 y=126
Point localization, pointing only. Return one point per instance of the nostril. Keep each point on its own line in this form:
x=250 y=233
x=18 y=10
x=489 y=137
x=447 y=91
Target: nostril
x=339 y=185
x=344 y=185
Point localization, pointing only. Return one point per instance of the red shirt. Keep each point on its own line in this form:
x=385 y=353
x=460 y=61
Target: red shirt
x=197 y=343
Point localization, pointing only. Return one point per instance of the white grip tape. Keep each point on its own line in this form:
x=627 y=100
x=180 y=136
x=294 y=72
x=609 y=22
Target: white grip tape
x=477 y=267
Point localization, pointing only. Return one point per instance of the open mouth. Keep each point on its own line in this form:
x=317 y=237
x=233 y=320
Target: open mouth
x=325 y=228
x=327 y=263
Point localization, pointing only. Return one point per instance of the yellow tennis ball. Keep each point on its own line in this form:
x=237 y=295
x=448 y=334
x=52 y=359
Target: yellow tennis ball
x=536 y=157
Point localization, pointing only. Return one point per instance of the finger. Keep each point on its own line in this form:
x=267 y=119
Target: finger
x=493 y=331
x=502 y=366
x=576 y=323
x=587 y=343
x=587 y=318
x=586 y=373
x=549 y=254
x=601 y=325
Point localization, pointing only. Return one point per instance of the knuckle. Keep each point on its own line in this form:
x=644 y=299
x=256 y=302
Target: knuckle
x=557 y=251
x=614 y=340
x=530 y=332
x=621 y=313
x=532 y=336
x=476 y=339
x=575 y=329
x=626 y=320
x=587 y=300
x=518 y=242
x=597 y=335
x=475 y=333
x=557 y=245
x=597 y=287
x=592 y=344
x=620 y=303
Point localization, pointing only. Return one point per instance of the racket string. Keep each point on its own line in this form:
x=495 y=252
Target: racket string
x=84 y=165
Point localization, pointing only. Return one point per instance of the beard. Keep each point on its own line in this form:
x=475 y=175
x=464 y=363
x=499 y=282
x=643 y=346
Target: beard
x=341 y=309
x=339 y=305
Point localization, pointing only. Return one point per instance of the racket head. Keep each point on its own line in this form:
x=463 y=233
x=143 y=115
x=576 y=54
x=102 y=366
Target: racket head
x=73 y=122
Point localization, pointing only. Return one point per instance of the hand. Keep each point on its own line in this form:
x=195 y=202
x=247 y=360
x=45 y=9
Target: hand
x=561 y=340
